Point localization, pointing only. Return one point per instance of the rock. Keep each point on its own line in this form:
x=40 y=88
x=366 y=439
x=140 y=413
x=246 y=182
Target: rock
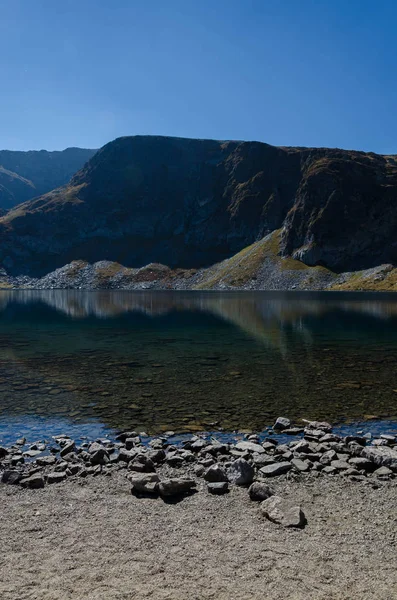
x=241 y=472
x=382 y=456
x=322 y=425
x=329 y=470
x=21 y=441
x=218 y=487
x=69 y=447
x=122 y=436
x=142 y=464
x=362 y=464
x=280 y=511
x=259 y=491
x=384 y=473
x=99 y=456
x=56 y=477
x=145 y=484
x=293 y=431
x=11 y=476
x=73 y=470
x=175 y=487
x=132 y=442
x=301 y=465
x=249 y=447
x=340 y=465
x=275 y=469
x=356 y=438
x=156 y=455
x=328 y=457
x=304 y=447
x=126 y=455
x=215 y=474
x=175 y=461
x=282 y=423
x=313 y=434
x=44 y=461
x=33 y=482
x=3 y=452
x=390 y=439
x=31 y=453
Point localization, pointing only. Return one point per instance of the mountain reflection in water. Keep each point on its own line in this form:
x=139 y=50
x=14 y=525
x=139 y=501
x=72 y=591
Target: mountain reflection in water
x=183 y=360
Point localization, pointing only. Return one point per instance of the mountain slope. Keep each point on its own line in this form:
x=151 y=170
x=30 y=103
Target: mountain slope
x=24 y=175
x=192 y=203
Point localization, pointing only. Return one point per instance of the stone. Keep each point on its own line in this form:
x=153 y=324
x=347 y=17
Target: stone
x=11 y=476
x=100 y=456
x=328 y=457
x=33 y=482
x=69 y=447
x=215 y=474
x=175 y=487
x=384 y=473
x=249 y=447
x=259 y=491
x=44 y=461
x=144 y=484
x=293 y=431
x=56 y=477
x=126 y=455
x=329 y=470
x=142 y=464
x=175 y=461
x=241 y=472
x=73 y=470
x=21 y=441
x=275 y=469
x=322 y=425
x=300 y=465
x=122 y=436
x=218 y=487
x=280 y=511
x=132 y=442
x=362 y=464
x=3 y=452
x=31 y=453
x=390 y=439
x=282 y=423
x=340 y=464
x=156 y=455
x=382 y=456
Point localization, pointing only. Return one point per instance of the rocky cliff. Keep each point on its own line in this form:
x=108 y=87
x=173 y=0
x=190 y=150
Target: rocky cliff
x=191 y=203
x=24 y=175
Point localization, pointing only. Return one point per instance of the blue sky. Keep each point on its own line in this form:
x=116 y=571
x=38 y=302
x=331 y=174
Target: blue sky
x=287 y=72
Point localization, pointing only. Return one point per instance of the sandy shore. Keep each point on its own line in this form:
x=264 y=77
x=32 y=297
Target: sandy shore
x=91 y=539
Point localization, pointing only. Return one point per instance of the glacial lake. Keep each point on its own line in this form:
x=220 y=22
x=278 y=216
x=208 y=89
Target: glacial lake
x=89 y=363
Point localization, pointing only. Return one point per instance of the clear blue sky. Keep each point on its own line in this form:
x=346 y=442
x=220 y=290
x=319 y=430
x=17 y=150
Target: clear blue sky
x=287 y=72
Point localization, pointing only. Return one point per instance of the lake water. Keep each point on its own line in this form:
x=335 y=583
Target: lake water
x=91 y=362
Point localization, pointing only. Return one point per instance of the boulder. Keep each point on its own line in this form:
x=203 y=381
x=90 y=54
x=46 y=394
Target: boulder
x=249 y=447
x=282 y=423
x=44 y=461
x=382 y=456
x=33 y=482
x=300 y=465
x=11 y=476
x=241 y=472
x=259 y=491
x=215 y=474
x=175 y=487
x=56 y=477
x=144 y=484
x=278 y=468
x=283 y=512
x=69 y=447
x=142 y=464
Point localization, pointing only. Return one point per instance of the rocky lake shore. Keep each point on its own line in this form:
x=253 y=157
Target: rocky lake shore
x=311 y=518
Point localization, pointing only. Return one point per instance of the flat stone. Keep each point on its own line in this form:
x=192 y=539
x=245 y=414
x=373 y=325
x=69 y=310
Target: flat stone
x=126 y=455
x=31 y=453
x=218 y=487
x=215 y=474
x=33 y=482
x=329 y=470
x=323 y=425
x=175 y=487
x=249 y=447
x=384 y=473
x=280 y=511
x=56 y=477
x=142 y=464
x=340 y=464
x=69 y=447
x=259 y=491
x=276 y=469
x=301 y=465
x=293 y=431
x=145 y=484
x=362 y=464
x=241 y=472
x=382 y=456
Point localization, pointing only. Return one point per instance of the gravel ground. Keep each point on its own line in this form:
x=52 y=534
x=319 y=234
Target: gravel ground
x=91 y=539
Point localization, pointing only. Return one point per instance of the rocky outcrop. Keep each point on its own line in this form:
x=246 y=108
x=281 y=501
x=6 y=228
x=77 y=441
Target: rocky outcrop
x=192 y=203
x=25 y=175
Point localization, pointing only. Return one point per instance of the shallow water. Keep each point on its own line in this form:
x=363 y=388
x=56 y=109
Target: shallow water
x=91 y=362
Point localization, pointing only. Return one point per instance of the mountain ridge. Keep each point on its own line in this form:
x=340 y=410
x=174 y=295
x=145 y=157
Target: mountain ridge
x=192 y=203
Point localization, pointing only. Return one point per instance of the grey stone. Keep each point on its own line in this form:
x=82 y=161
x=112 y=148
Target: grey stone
x=362 y=464
x=282 y=423
x=175 y=487
x=329 y=470
x=218 y=487
x=21 y=441
x=56 y=477
x=322 y=425
x=11 y=476
x=275 y=469
x=280 y=511
x=259 y=491
x=126 y=455
x=384 y=473
x=241 y=472
x=293 y=431
x=142 y=464
x=215 y=474
x=340 y=464
x=69 y=447
x=301 y=465
x=328 y=457
x=3 y=452
x=44 y=461
x=249 y=447
x=382 y=456
x=33 y=482
x=147 y=483
x=175 y=461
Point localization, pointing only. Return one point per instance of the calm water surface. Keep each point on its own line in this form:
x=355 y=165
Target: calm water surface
x=88 y=362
